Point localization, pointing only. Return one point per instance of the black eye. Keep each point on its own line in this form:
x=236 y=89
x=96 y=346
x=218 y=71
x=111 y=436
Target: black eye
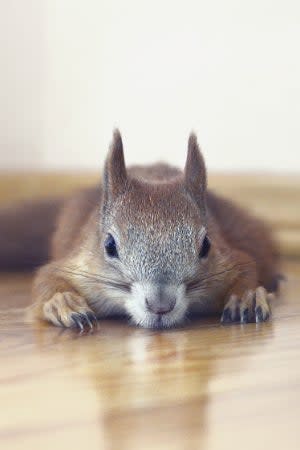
x=110 y=246
x=205 y=248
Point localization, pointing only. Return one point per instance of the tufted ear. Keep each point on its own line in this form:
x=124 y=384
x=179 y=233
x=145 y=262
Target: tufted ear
x=115 y=175
x=195 y=173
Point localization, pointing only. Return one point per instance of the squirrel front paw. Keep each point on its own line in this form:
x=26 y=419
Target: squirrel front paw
x=253 y=306
x=70 y=310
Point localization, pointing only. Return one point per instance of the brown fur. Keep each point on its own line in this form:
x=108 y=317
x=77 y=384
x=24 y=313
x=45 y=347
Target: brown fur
x=25 y=231
x=240 y=269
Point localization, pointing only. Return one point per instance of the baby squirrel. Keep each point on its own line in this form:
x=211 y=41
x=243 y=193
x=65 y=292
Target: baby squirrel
x=152 y=243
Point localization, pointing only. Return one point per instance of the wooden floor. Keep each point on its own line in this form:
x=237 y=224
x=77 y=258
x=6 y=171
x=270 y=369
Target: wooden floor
x=206 y=386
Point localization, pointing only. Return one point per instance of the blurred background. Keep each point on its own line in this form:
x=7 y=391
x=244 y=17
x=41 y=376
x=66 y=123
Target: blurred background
x=71 y=70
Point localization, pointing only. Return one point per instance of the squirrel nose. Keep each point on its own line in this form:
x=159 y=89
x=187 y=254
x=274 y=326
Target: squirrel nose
x=157 y=307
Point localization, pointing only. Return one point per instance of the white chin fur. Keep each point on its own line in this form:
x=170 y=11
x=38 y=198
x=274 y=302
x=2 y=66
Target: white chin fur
x=149 y=320
x=140 y=316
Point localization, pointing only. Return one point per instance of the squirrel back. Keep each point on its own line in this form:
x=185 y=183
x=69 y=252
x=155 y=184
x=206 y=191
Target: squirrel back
x=154 y=243
x=240 y=229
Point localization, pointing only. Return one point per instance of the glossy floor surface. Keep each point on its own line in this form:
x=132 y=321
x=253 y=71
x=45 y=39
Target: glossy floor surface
x=205 y=386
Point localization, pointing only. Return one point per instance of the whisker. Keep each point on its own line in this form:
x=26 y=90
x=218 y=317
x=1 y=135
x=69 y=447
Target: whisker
x=102 y=276
x=198 y=284
x=97 y=278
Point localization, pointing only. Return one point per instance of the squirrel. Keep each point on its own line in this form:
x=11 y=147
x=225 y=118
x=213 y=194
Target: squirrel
x=153 y=244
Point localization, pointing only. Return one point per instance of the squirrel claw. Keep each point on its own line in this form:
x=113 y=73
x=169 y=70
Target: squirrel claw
x=78 y=320
x=253 y=306
x=69 y=310
x=226 y=316
x=84 y=320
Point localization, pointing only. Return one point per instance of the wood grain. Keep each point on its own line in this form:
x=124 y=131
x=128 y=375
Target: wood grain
x=205 y=386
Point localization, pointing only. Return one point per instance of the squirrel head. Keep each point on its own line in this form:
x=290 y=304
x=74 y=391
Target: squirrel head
x=154 y=235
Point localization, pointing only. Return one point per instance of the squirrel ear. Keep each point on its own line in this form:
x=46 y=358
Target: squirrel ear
x=195 y=172
x=115 y=175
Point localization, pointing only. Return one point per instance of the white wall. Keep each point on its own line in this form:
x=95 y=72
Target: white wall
x=71 y=70
x=22 y=62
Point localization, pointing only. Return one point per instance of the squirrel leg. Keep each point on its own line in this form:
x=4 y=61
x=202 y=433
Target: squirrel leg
x=252 y=306
x=246 y=301
x=58 y=302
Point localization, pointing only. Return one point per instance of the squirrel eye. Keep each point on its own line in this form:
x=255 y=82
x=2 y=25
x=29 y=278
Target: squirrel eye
x=111 y=247
x=205 y=248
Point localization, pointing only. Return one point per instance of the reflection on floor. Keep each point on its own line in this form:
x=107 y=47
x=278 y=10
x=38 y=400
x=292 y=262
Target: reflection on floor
x=205 y=386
